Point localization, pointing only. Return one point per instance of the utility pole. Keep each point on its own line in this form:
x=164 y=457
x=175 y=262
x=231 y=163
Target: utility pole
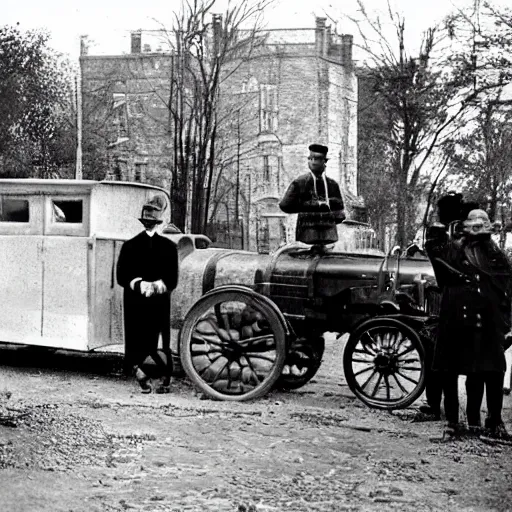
x=78 y=89
x=238 y=144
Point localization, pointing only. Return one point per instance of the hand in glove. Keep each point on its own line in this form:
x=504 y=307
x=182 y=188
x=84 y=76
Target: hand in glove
x=323 y=206
x=159 y=287
x=508 y=340
x=146 y=288
x=315 y=205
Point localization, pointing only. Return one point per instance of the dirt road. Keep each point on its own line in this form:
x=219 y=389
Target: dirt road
x=83 y=438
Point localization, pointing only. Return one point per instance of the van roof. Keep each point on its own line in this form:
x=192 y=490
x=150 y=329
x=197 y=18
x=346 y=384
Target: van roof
x=62 y=183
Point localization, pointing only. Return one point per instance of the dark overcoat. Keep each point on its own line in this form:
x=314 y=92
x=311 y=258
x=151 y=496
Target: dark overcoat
x=145 y=318
x=316 y=222
x=475 y=306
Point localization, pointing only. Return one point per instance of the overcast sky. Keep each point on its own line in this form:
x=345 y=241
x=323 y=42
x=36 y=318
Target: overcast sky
x=109 y=22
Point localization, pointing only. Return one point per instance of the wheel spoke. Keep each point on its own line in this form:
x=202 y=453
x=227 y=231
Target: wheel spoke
x=206 y=368
x=407 y=378
x=360 y=372
x=369 y=378
x=400 y=385
x=397 y=339
x=409 y=349
x=364 y=352
x=259 y=343
x=217 y=375
x=413 y=360
x=216 y=328
x=205 y=352
x=259 y=356
x=368 y=346
x=376 y=387
x=388 y=387
x=200 y=341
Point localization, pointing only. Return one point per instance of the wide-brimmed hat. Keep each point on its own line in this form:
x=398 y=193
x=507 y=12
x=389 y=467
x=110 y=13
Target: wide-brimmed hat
x=477 y=223
x=153 y=211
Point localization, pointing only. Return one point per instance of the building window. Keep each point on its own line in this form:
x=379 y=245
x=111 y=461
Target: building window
x=268 y=108
x=120 y=170
x=267 y=170
x=279 y=172
x=140 y=172
x=13 y=210
x=119 y=119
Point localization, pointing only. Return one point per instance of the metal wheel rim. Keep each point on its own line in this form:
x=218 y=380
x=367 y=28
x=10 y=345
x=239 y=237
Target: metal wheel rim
x=233 y=346
x=386 y=365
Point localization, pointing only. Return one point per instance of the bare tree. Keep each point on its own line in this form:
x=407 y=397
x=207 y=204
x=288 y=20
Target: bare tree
x=483 y=157
x=207 y=48
x=421 y=98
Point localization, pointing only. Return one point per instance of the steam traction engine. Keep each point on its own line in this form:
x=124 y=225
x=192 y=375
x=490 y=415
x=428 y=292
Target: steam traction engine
x=249 y=322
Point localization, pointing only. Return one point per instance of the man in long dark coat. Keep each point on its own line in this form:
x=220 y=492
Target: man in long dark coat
x=147 y=269
x=317 y=199
x=473 y=323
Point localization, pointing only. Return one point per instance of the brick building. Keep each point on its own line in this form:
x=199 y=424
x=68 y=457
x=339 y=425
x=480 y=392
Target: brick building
x=298 y=88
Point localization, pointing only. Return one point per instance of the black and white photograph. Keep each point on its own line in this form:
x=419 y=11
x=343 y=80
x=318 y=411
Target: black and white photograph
x=256 y=256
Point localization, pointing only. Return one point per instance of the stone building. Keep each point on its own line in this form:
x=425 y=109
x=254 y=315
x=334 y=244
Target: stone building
x=125 y=121
x=298 y=88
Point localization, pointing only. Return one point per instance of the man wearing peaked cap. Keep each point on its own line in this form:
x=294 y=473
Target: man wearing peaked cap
x=147 y=269
x=317 y=199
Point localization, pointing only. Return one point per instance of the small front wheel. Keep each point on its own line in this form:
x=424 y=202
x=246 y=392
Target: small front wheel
x=233 y=345
x=384 y=363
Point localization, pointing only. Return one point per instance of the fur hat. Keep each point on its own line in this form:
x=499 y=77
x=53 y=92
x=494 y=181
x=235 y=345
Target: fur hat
x=153 y=210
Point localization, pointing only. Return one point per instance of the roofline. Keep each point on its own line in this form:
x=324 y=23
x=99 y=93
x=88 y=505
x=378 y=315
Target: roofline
x=80 y=183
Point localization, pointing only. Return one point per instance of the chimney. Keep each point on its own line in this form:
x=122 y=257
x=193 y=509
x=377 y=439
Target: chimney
x=84 y=47
x=136 y=40
x=320 y=39
x=217 y=32
x=346 y=51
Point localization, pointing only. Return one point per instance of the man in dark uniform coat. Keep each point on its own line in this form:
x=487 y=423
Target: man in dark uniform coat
x=317 y=199
x=147 y=269
x=473 y=322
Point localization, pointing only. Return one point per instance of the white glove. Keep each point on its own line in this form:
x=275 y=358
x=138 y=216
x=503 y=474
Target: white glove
x=146 y=288
x=159 y=286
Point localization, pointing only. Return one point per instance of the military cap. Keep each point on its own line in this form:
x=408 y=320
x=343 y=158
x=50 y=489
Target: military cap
x=318 y=148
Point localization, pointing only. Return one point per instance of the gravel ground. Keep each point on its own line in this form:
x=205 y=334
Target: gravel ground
x=76 y=436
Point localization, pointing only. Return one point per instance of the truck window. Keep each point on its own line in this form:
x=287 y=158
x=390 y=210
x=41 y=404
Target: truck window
x=69 y=211
x=13 y=209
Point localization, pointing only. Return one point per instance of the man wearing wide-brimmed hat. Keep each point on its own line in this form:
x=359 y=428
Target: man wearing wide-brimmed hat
x=317 y=200
x=147 y=269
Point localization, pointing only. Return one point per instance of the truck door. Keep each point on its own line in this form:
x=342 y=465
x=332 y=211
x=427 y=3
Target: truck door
x=21 y=278
x=65 y=313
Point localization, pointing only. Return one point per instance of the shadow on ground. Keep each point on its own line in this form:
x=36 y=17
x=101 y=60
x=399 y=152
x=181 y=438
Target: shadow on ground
x=41 y=358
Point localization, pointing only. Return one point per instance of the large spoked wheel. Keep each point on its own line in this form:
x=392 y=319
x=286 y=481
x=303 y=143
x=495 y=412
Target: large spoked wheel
x=384 y=364
x=233 y=345
x=302 y=361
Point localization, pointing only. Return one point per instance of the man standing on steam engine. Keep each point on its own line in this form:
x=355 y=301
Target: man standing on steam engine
x=317 y=200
